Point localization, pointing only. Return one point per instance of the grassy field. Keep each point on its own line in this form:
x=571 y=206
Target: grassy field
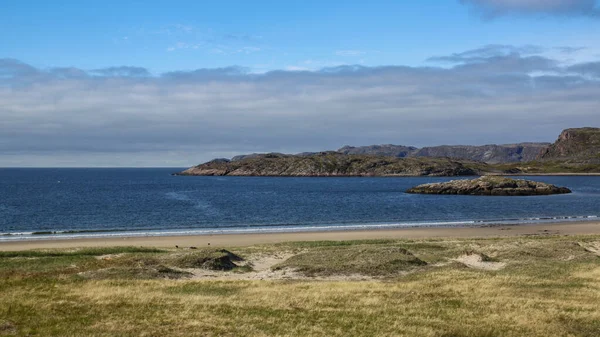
x=526 y=286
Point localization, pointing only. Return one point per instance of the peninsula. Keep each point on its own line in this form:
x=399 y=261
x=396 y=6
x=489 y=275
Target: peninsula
x=576 y=151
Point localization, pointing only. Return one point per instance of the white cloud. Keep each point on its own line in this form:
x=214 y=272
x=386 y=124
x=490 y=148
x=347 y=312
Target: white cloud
x=124 y=116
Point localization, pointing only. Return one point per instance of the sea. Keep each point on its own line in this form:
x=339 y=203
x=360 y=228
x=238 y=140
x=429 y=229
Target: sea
x=49 y=203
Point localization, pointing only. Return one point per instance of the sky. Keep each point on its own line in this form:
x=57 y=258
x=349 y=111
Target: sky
x=157 y=83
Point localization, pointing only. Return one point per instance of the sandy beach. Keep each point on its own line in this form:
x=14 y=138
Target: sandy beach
x=233 y=240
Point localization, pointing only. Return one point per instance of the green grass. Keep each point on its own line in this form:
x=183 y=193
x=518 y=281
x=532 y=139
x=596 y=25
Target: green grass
x=353 y=259
x=550 y=285
x=78 y=252
x=151 y=272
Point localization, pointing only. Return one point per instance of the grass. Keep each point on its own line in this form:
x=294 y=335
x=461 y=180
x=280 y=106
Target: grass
x=78 y=252
x=348 y=260
x=550 y=286
x=136 y=272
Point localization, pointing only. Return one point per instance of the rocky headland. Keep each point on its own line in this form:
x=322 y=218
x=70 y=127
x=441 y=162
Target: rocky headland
x=575 y=145
x=575 y=151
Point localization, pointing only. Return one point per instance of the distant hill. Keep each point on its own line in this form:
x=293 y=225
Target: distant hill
x=326 y=164
x=260 y=155
x=388 y=150
x=254 y=155
x=491 y=154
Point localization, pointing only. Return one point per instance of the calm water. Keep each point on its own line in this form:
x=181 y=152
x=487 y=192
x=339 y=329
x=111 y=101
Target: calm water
x=104 y=202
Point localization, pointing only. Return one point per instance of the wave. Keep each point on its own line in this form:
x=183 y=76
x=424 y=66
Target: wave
x=278 y=228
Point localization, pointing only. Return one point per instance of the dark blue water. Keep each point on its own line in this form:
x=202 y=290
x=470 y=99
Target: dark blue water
x=102 y=202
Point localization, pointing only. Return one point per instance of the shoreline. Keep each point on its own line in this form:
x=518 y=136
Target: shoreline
x=233 y=240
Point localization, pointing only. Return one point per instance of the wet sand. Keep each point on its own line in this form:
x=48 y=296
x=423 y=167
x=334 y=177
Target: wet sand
x=232 y=240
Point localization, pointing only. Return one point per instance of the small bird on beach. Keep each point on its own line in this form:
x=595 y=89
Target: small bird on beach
x=193 y=247
x=176 y=246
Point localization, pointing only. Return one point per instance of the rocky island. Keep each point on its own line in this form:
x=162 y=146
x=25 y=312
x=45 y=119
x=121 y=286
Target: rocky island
x=490 y=185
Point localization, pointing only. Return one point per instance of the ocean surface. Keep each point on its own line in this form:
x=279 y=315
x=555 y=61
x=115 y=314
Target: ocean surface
x=59 y=203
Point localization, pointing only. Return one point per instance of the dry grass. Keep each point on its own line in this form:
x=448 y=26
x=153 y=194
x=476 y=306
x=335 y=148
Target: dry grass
x=548 y=286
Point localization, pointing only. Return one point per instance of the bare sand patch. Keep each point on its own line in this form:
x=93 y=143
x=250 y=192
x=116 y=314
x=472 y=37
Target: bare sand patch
x=591 y=247
x=8 y=328
x=259 y=265
x=107 y=257
x=262 y=269
x=479 y=261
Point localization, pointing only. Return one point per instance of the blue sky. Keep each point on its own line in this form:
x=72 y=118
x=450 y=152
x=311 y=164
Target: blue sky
x=266 y=35
x=157 y=83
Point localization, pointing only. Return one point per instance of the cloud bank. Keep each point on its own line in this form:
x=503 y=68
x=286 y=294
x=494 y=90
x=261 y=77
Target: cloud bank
x=493 y=8
x=126 y=116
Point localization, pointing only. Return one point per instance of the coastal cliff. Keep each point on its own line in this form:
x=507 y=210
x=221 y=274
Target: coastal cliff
x=575 y=151
x=576 y=145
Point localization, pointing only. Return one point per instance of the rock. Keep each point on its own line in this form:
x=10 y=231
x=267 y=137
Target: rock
x=490 y=185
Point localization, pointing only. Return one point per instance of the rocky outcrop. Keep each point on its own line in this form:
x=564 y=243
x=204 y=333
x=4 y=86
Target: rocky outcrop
x=490 y=185
x=327 y=164
x=580 y=145
x=491 y=154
